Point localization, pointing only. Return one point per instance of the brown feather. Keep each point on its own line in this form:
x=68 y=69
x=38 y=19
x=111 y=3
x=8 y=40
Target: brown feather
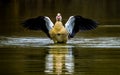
x=58 y=33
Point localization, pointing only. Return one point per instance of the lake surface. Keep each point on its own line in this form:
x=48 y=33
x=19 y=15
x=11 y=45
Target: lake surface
x=82 y=55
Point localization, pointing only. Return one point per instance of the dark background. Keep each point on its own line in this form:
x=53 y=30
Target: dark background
x=14 y=12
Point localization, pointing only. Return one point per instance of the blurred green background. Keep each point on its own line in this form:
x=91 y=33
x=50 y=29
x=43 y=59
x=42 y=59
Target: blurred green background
x=14 y=12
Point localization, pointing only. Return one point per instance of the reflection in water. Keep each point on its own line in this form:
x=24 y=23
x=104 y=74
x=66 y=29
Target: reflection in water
x=33 y=56
x=59 y=60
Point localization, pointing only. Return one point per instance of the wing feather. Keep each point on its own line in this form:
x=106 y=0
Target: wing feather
x=40 y=23
x=79 y=23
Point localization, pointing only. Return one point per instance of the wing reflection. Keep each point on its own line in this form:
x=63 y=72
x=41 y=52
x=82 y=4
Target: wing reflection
x=59 y=60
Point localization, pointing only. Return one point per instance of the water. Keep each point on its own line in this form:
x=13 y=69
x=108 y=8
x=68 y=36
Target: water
x=95 y=42
x=40 y=56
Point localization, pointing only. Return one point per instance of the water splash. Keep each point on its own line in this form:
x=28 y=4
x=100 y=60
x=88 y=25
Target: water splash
x=96 y=42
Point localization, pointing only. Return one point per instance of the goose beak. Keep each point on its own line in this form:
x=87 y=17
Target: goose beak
x=58 y=17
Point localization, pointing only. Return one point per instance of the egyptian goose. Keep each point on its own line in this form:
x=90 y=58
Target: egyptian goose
x=58 y=32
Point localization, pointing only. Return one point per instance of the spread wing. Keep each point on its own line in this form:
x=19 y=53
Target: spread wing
x=78 y=23
x=40 y=23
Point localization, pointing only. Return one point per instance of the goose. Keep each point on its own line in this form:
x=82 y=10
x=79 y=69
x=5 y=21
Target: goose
x=58 y=32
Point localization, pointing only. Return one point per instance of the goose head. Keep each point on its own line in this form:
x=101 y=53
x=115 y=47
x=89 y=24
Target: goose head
x=58 y=17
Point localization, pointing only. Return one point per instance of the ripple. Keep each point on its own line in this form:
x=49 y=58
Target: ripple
x=24 y=41
x=99 y=42
x=96 y=42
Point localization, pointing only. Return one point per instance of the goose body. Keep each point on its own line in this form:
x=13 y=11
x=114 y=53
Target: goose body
x=58 y=32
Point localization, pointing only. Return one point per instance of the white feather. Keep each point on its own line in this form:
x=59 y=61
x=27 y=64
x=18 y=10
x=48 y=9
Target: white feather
x=49 y=23
x=70 y=24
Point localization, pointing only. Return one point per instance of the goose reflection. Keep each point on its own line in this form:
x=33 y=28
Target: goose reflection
x=59 y=60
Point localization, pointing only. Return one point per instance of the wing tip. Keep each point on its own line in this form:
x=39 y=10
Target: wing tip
x=33 y=23
x=83 y=24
